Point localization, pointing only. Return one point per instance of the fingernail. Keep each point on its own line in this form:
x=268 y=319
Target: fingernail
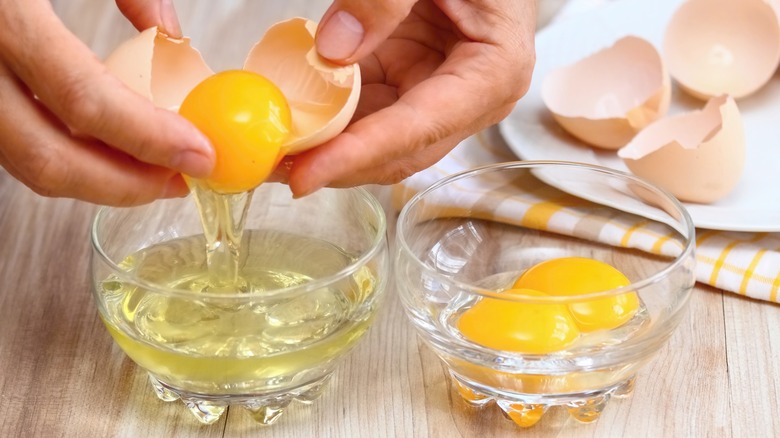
x=340 y=37
x=281 y=173
x=176 y=188
x=307 y=192
x=169 y=19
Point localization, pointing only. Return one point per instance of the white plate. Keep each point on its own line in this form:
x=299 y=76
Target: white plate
x=532 y=134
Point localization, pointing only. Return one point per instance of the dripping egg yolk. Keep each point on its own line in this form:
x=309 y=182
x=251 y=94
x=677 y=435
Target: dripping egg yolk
x=247 y=120
x=544 y=327
x=569 y=276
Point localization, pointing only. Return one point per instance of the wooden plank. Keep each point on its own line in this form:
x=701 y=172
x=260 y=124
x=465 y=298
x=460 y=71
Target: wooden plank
x=753 y=345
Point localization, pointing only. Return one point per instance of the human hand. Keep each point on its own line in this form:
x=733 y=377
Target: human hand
x=434 y=72
x=69 y=128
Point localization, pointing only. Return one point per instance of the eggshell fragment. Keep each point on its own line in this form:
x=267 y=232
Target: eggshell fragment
x=322 y=96
x=160 y=68
x=716 y=47
x=697 y=156
x=609 y=96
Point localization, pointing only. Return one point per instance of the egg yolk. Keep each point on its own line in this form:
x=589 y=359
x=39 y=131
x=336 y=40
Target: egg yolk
x=517 y=326
x=570 y=276
x=538 y=328
x=247 y=119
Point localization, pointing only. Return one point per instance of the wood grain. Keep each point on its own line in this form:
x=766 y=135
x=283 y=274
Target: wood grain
x=63 y=376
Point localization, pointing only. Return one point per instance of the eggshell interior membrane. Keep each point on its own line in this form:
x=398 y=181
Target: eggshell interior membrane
x=322 y=96
x=698 y=156
x=716 y=47
x=160 y=68
x=607 y=97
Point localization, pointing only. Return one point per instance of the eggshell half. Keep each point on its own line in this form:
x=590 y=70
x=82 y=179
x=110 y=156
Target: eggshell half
x=609 y=96
x=323 y=96
x=160 y=68
x=697 y=156
x=716 y=47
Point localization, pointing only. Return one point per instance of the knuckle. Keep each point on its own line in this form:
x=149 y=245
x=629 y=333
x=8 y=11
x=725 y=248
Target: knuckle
x=82 y=109
x=435 y=133
x=518 y=78
x=502 y=112
x=86 y=110
x=44 y=173
x=426 y=130
x=522 y=77
x=399 y=171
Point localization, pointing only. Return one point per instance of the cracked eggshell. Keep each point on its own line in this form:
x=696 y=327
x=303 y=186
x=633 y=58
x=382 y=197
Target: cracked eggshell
x=609 y=96
x=715 y=47
x=323 y=96
x=698 y=156
x=160 y=68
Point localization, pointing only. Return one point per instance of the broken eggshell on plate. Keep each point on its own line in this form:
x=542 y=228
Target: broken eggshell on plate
x=606 y=98
x=322 y=96
x=715 y=47
x=698 y=156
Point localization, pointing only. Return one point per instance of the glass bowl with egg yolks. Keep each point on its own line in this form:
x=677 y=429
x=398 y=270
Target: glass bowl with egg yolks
x=544 y=284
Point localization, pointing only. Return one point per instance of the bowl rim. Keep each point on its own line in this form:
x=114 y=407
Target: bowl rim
x=688 y=251
x=378 y=244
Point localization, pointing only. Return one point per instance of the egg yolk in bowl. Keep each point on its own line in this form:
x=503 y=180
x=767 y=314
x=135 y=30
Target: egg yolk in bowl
x=539 y=328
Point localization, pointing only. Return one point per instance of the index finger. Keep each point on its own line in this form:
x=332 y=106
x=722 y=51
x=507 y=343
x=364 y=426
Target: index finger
x=72 y=82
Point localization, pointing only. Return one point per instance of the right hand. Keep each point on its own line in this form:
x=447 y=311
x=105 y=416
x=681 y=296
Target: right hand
x=68 y=128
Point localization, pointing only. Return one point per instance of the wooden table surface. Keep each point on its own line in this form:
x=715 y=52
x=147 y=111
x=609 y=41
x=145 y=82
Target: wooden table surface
x=61 y=374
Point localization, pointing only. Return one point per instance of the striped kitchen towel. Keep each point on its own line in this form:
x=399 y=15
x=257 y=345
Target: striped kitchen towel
x=739 y=262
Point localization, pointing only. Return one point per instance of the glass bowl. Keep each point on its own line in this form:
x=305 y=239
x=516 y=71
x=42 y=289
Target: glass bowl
x=317 y=269
x=463 y=242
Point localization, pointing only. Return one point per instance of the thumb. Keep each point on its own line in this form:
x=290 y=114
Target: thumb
x=147 y=13
x=351 y=29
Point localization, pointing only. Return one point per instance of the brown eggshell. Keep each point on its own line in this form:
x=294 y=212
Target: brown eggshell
x=609 y=96
x=322 y=96
x=698 y=156
x=160 y=68
x=715 y=47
